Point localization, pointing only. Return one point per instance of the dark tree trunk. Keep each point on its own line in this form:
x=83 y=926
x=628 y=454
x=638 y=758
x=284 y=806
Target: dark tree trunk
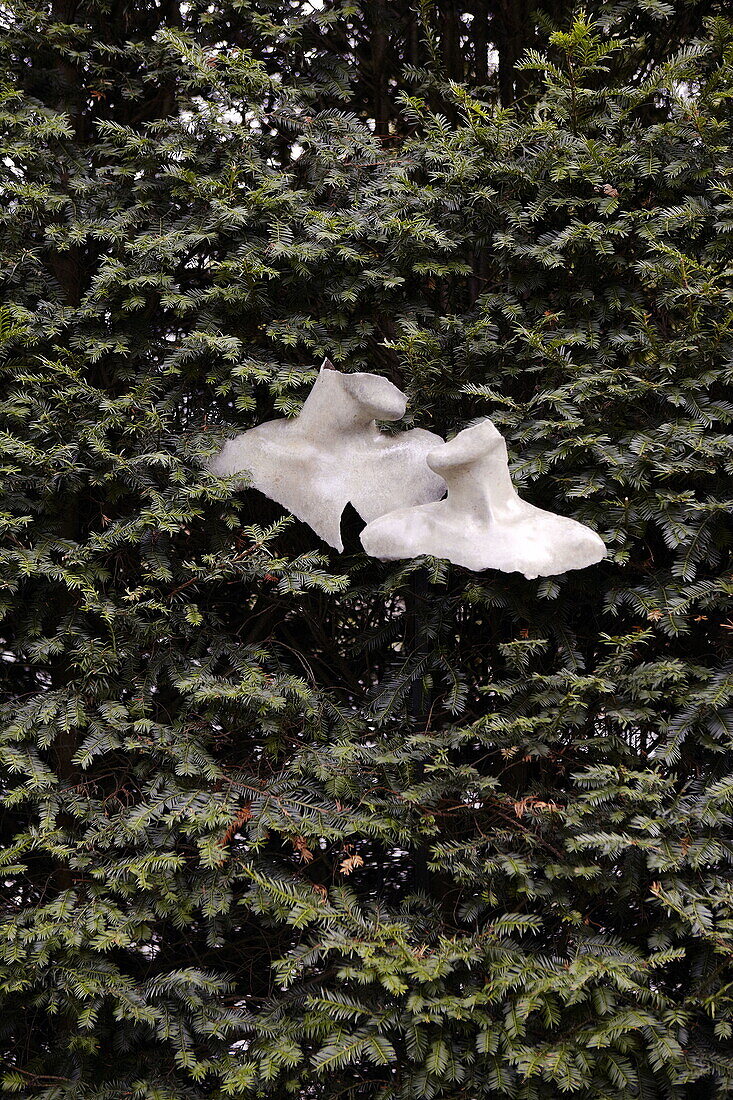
x=480 y=29
x=378 y=66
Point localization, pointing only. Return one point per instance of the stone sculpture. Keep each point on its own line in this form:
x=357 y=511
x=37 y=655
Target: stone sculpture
x=482 y=523
x=333 y=454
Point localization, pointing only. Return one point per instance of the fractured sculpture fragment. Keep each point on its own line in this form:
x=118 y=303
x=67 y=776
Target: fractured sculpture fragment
x=482 y=523
x=333 y=454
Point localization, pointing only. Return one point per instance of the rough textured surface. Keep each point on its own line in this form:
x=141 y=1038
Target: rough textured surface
x=334 y=454
x=483 y=523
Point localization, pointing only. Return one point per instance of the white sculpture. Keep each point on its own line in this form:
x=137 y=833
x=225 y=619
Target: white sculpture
x=333 y=454
x=483 y=523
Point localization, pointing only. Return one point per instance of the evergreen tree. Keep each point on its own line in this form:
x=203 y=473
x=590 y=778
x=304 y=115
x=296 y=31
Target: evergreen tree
x=283 y=822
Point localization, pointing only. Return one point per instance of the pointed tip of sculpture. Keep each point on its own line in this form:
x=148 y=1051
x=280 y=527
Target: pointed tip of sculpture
x=328 y=365
x=465 y=447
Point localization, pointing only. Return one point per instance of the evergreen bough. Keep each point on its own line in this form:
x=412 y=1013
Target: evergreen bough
x=279 y=822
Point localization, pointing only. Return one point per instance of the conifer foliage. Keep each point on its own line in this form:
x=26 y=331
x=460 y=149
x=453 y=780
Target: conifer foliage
x=282 y=822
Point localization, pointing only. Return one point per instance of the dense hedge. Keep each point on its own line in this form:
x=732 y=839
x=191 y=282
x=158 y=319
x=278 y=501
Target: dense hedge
x=280 y=821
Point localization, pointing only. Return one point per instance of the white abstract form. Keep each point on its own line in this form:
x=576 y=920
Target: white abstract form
x=483 y=523
x=333 y=454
